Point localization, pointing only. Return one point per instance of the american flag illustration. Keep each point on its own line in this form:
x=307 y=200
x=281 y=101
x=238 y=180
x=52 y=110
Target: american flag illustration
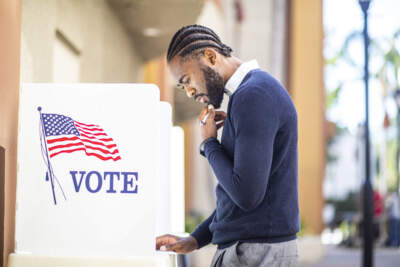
x=65 y=135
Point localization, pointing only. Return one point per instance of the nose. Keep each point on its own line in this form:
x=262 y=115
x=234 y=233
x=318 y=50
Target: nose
x=190 y=92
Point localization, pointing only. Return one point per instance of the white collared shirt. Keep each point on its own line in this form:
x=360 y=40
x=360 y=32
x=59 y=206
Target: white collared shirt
x=237 y=77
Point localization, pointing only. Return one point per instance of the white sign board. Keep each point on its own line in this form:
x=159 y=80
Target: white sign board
x=87 y=163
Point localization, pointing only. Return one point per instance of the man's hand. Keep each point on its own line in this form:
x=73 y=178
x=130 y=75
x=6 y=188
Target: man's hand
x=209 y=129
x=220 y=117
x=177 y=244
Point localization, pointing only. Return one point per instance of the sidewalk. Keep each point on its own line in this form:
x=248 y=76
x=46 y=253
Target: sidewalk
x=351 y=257
x=310 y=250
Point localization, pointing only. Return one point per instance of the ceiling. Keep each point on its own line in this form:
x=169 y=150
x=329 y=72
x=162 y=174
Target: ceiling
x=152 y=23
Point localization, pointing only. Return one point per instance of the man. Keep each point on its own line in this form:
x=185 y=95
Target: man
x=256 y=217
x=393 y=203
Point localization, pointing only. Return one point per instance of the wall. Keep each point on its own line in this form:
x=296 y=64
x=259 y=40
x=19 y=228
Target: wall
x=10 y=28
x=106 y=51
x=156 y=71
x=261 y=35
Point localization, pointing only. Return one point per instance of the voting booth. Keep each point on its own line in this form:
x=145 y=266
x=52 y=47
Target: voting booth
x=94 y=185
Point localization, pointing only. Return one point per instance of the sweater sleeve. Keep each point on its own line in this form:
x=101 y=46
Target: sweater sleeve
x=245 y=177
x=202 y=233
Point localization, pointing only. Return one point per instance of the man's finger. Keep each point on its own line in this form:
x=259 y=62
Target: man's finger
x=219 y=125
x=220 y=113
x=165 y=240
x=202 y=113
x=219 y=118
x=211 y=112
x=170 y=247
x=162 y=242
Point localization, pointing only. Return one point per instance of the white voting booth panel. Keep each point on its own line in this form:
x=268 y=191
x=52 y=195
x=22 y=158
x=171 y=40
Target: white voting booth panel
x=177 y=181
x=170 y=199
x=163 y=190
x=87 y=175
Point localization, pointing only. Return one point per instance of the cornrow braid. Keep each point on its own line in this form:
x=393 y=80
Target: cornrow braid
x=193 y=37
x=190 y=29
x=187 y=30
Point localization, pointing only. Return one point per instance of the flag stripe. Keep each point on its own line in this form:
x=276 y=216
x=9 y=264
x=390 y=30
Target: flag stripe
x=115 y=151
x=98 y=143
x=84 y=124
x=95 y=134
x=51 y=141
x=89 y=129
x=87 y=153
x=94 y=137
x=66 y=145
x=57 y=140
x=88 y=149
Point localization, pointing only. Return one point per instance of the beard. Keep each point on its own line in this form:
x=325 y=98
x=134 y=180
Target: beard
x=215 y=86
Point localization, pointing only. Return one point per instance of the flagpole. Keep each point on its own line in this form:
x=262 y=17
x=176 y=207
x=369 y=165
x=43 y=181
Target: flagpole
x=50 y=173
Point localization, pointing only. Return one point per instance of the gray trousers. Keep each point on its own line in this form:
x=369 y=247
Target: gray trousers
x=283 y=254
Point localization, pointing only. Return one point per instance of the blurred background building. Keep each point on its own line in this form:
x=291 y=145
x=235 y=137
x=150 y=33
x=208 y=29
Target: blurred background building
x=126 y=40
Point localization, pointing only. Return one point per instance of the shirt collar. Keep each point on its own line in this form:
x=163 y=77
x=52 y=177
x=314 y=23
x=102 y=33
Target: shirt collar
x=236 y=79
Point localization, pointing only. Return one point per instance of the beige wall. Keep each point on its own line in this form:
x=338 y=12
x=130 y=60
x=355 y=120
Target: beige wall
x=251 y=39
x=156 y=71
x=106 y=51
x=10 y=24
x=261 y=35
x=306 y=87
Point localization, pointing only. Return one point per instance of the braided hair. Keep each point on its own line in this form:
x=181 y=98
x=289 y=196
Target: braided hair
x=192 y=37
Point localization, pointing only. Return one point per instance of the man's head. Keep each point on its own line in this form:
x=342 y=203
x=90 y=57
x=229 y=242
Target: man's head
x=197 y=58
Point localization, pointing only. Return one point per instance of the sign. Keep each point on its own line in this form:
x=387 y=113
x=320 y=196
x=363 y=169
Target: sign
x=87 y=163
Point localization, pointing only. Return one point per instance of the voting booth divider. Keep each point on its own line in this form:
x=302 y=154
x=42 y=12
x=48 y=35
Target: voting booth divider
x=100 y=175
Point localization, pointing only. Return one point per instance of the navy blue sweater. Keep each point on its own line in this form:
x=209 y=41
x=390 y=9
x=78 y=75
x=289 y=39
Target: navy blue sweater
x=256 y=167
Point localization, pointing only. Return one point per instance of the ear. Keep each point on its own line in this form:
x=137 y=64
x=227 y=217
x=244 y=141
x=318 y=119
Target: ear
x=210 y=56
